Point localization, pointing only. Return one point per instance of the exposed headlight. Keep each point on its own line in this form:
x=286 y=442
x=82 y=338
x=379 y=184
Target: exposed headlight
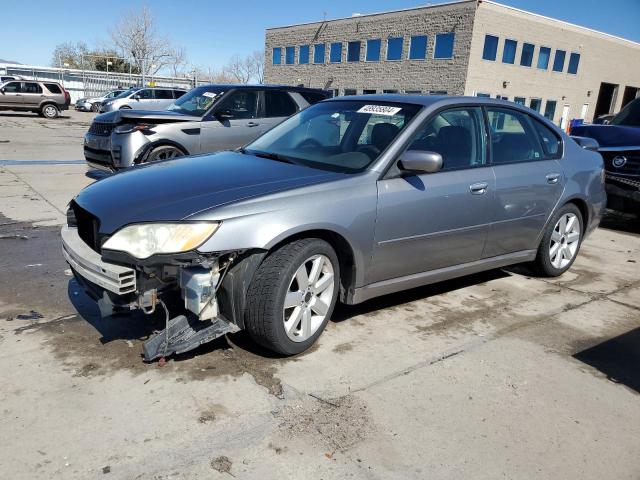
x=146 y=239
x=132 y=127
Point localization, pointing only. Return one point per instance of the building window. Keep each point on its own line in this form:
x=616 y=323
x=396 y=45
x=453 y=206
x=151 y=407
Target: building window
x=558 y=60
x=509 y=51
x=373 y=50
x=290 y=55
x=550 y=109
x=520 y=100
x=413 y=92
x=394 y=48
x=574 y=60
x=418 y=47
x=501 y=97
x=535 y=104
x=437 y=92
x=303 y=54
x=318 y=52
x=369 y=92
x=483 y=95
x=543 y=58
x=526 y=57
x=350 y=91
x=277 y=56
x=490 y=47
x=335 y=54
x=444 y=45
x=390 y=91
x=353 y=52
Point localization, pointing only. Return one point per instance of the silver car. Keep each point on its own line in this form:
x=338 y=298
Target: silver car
x=207 y=119
x=93 y=104
x=352 y=198
x=143 y=98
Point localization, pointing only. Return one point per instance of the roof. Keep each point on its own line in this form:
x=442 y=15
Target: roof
x=263 y=87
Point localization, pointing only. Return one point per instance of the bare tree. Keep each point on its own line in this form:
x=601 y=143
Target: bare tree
x=249 y=68
x=257 y=65
x=178 y=61
x=71 y=54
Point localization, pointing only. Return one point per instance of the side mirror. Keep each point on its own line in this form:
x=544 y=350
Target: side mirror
x=2 y=90
x=587 y=143
x=223 y=115
x=420 y=161
x=136 y=97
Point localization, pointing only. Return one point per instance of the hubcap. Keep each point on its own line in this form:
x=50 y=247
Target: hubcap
x=308 y=298
x=167 y=153
x=564 y=240
x=49 y=111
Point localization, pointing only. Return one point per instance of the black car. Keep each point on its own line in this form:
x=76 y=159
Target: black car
x=619 y=142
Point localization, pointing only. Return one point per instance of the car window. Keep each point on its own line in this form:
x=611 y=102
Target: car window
x=367 y=137
x=278 y=104
x=178 y=93
x=457 y=135
x=513 y=138
x=164 y=94
x=313 y=97
x=53 y=87
x=549 y=139
x=13 y=87
x=241 y=104
x=145 y=94
x=629 y=115
x=31 y=87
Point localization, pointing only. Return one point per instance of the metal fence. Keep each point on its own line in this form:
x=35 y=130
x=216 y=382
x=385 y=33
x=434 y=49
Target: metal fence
x=89 y=83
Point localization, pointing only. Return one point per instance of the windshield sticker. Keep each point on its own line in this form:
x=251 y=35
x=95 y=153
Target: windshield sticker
x=380 y=110
x=210 y=94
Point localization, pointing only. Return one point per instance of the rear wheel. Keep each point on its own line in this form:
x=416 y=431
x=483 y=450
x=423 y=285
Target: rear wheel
x=49 y=111
x=164 y=152
x=95 y=107
x=561 y=242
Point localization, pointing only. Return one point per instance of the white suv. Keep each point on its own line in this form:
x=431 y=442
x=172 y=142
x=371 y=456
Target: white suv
x=139 y=98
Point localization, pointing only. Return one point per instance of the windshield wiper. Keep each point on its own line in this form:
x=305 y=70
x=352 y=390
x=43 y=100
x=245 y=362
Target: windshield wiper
x=269 y=155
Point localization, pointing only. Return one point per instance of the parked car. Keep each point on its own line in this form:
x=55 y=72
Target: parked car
x=142 y=98
x=208 y=118
x=619 y=144
x=5 y=78
x=42 y=97
x=93 y=104
x=352 y=198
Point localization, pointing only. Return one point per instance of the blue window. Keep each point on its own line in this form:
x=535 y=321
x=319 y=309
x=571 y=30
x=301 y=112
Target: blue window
x=318 y=53
x=558 y=61
x=418 y=47
x=303 y=54
x=574 y=60
x=394 y=48
x=444 y=45
x=490 y=47
x=373 y=50
x=353 y=52
x=335 y=54
x=290 y=55
x=509 y=51
x=526 y=58
x=483 y=95
x=543 y=58
x=277 y=56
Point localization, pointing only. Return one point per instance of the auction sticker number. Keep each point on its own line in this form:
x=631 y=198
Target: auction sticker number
x=380 y=110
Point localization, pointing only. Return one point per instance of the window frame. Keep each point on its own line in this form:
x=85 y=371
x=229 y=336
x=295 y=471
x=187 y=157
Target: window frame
x=273 y=56
x=535 y=98
x=290 y=49
x=426 y=47
x=366 y=53
x=533 y=53
x=555 y=59
x=331 y=45
x=484 y=46
x=573 y=55
x=555 y=107
x=515 y=51
x=349 y=44
x=399 y=59
x=23 y=87
x=316 y=46
x=546 y=67
x=453 y=46
x=306 y=47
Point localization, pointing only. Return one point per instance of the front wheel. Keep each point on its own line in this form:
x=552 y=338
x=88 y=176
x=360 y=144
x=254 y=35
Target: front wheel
x=50 y=111
x=292 y=296
x=95 y=107
x=164 y=152
x=561 y=242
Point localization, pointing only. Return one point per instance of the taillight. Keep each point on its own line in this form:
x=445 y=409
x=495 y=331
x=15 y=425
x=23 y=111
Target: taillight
x=66 y=95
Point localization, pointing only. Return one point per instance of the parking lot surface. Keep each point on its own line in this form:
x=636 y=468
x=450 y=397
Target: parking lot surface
x=497 y=375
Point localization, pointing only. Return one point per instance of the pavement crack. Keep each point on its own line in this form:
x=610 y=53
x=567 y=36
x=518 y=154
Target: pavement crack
x=34 y=190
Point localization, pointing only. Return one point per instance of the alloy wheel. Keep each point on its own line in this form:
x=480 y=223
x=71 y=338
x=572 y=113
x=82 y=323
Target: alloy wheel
x=565 y=240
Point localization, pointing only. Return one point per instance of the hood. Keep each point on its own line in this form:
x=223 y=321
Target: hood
x=610 y=135
x=93 y=99
x=159 y=116
x=175 y=189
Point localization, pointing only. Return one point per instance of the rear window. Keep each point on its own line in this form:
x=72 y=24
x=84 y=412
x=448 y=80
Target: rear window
x=313 y=97
x=31 y=87
x=278 y=104
x=53 y=87
x=164 y=94
x=178 y=93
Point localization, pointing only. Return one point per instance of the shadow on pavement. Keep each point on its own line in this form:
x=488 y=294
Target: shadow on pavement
x=622 y=222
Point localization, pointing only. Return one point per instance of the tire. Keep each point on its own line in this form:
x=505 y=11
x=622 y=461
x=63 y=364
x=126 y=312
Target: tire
x=49 y=110
x=95 y=107
x=292 y=330
x=164 y=152
x=125 y=108
x=561 y=242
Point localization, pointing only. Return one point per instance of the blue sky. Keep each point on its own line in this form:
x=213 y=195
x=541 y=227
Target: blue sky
x=212 y=30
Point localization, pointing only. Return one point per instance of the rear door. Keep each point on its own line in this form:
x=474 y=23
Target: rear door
x=145 y=100
x=32 y=94
x=529 y=179
x=11 y=96
x=163 y=98
x=278 y=106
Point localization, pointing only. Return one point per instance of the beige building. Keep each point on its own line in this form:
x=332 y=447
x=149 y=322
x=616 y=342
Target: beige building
x=469 y=47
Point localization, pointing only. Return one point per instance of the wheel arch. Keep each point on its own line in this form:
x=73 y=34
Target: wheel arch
x=584 y=210
x=146 y=149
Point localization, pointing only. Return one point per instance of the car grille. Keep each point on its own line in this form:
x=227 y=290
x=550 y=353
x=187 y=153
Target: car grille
x=101 y=129
x=87 y=225
x=631 y=164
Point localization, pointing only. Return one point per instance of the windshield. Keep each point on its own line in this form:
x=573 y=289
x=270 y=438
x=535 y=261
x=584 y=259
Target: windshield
x=344 y=136
x=126 y=93
x=629 y=115
x=197 y=101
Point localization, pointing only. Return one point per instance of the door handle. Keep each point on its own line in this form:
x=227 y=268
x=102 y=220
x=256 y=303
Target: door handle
x=252 y=124
x=553 y=178
x=478 y=188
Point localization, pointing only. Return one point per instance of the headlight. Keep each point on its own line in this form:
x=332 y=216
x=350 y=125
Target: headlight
x=146 y=239
x=132 y=127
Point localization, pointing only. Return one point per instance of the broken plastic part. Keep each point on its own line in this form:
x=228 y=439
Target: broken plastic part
x=147 y=301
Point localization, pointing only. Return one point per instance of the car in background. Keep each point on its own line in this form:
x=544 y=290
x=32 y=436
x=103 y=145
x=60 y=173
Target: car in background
x=619 y=144
x=350 y=199
x=142 y=98
x=4 y=78
x=42 y=97
x=207 y=119
x=93 y=104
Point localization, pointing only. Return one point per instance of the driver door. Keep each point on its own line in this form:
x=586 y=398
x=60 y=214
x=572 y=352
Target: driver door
x=11 y=95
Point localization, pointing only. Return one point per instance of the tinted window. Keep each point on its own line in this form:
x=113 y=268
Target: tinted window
x=303 y=54
x=13 y=87
x=418 y=47
x=574 y=60
x=178 y=93
x=490 y=49
x=444 y=45
x=277 y=56
x=558 y=61
x=512 y=137
x=509 y=51
x=350 y=91
x=373 y=50
x=394 y=48
x=290 y=55
x=526 y=58
x=457 y=135
x=550 y=109
x=519 y=100
x=278 y=104
x=629 y=115
x=313 y=97
x=164 y=94
x=318 y=53
x=550 y=141
x=543 y=58
x=145 y=94
x=241 y=104
x=53 y=87
x=335 y=54
x=535 y=104
x=353 y=52
x=30 y=87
